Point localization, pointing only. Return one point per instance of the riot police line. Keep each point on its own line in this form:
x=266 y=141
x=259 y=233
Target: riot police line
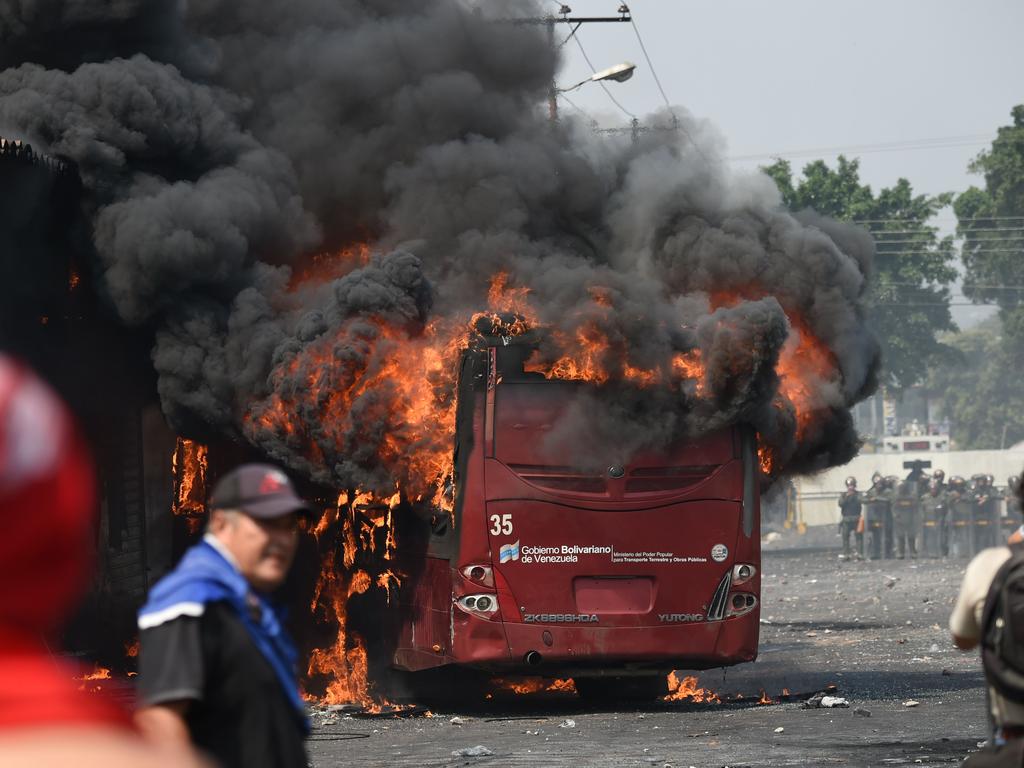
x=926 y=515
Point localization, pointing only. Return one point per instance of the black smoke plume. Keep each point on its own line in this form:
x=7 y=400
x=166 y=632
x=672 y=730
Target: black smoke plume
x=230 y=149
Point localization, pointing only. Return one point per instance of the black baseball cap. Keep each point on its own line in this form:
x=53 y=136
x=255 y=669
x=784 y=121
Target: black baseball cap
x=260 y=490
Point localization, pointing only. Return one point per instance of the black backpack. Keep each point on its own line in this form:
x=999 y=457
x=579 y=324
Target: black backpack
x=1002 y=628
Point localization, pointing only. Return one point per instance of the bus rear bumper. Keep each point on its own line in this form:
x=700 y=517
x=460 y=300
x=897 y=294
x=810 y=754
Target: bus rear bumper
x=538 y=648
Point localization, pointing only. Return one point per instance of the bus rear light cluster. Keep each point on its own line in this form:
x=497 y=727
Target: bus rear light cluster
x=741 y=603
x=720 y=600
x=481 y=574
x=478 y=605
x=742 y=573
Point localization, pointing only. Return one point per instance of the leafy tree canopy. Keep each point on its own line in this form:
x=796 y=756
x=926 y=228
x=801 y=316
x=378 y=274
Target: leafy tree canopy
x=991 y=221
x=910 y=296
x=982 y=390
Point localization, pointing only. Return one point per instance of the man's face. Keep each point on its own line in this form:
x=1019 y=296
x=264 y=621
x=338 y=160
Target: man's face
x=263 y=549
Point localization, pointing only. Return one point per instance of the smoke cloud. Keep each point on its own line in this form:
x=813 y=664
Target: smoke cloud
x=294 y=195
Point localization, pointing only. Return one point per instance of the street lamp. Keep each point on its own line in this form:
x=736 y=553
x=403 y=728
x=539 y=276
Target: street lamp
x=620 y=73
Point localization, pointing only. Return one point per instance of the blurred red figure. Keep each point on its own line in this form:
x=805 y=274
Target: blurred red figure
x=47 y=503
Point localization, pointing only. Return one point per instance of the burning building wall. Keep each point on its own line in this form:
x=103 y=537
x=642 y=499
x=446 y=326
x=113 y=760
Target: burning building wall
x=50 y=316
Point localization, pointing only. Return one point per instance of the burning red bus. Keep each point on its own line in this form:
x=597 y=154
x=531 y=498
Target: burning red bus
x=614 y=576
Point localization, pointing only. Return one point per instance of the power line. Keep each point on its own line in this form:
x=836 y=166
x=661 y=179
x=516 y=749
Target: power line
x=650 y=64
x=987 y=286
x=940 y=253
x=676 y=123
x=888 y=146
x=575 y=106
x=982 y=251
x=933 y=231
x=1000 y=239
x=904 y=221
x=933 y=304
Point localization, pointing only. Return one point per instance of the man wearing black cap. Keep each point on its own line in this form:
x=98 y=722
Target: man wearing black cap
x=216 y=666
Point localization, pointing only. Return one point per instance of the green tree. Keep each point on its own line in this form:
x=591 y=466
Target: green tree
x=909 y=300
x=984 y=393
x=982 y=390
x=991 y=223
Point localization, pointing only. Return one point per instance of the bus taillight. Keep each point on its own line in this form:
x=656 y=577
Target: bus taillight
x=478 y=605
x=741 y=603
x=481 y=574
x=743 y=573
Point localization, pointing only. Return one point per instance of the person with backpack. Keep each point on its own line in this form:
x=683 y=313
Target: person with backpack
x=989 y=612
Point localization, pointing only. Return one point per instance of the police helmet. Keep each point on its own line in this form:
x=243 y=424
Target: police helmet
x=851 y=482
x=957 y=482
x=938 y=475
x=876 y=477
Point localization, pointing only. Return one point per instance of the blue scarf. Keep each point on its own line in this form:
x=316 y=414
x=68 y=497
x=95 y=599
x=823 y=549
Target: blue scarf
x=204 y=576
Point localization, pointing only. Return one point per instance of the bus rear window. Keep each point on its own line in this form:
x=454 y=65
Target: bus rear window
x=527 y=414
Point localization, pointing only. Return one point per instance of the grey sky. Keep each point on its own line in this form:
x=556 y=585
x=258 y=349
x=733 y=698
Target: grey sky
x=797 y=75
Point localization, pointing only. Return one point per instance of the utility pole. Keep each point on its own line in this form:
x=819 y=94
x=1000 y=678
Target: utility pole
x=636 y=128
x=576 y=22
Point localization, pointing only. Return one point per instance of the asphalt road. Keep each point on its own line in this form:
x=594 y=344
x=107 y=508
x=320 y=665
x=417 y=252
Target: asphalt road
x=877 y=631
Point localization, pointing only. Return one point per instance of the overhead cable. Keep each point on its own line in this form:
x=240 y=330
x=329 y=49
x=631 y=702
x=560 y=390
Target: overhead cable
x=953 y=218
x=888 y=146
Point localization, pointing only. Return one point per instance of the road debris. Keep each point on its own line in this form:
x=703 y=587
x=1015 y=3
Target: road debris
x=780 y=729
x=834 y=702
x=567 y=723
x=862 y=712
x=911 y=703
x=457 y=720
x=478 y=751
x=817 y=699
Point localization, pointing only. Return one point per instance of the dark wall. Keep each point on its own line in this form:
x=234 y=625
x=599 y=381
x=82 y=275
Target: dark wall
x=50 y=318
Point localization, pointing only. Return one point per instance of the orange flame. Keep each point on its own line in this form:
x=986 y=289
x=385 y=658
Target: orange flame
x=98 y=673
x=412 y=380
x=345 y=662
x=804 y=365
x=687 y=689
x=325 y=266
x=89 y=680
x=189 y=465
x=535 y=685
x=131 y=650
